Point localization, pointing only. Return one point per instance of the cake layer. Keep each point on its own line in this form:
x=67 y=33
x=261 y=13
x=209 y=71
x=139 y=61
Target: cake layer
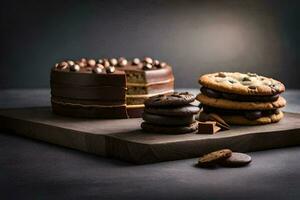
x=101 y=93
x=91 y=111
x=140 y=99
x=87 y=101
x=151 y=89
x=135 y=111
x=96 y=111
x=117 y=78
x=136 y=74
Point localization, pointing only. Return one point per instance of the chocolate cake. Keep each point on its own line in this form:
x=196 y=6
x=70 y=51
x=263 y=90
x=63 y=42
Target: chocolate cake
x=108 y=88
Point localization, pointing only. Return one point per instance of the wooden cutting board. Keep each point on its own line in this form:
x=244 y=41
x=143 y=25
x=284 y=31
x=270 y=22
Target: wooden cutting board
x=123 y=139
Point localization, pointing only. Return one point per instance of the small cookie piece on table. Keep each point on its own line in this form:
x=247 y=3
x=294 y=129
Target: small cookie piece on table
x=236 y=160
x=213 y=158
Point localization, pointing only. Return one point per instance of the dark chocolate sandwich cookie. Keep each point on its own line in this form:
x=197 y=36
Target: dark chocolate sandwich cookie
x=175 y=99
x=176 y=111
x=236 y=160
x=149 y=127
x=211 y=159
x=167 y=120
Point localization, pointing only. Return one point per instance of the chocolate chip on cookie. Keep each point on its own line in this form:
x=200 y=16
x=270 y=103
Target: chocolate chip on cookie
x=236 y=160
x=175 y=99
x=211 y=159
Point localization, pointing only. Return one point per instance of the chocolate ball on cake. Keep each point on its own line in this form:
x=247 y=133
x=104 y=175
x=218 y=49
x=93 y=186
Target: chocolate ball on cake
x=136 y=61
x=102 y=90
x=105 y=63
x=113 y=61
x=75 y=68
x=242 y=99
x=91 y=62
x=171 y=114
x=122 y=62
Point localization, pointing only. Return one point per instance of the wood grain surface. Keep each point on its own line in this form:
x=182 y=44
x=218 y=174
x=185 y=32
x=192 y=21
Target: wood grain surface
x=123 y=139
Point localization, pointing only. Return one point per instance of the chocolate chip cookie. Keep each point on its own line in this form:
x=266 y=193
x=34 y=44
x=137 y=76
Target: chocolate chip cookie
x=243 y=99
x=242 y=83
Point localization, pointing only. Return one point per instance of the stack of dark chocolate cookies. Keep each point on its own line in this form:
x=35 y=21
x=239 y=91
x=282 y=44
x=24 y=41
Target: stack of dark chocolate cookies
x=171 y=114
x=242 y=99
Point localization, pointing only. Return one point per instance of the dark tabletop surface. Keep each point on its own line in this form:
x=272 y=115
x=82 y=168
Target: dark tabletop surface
x=31 y=169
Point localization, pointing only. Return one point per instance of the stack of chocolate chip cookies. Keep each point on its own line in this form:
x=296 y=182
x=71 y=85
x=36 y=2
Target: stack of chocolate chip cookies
x=171 y=114
x=242 y=99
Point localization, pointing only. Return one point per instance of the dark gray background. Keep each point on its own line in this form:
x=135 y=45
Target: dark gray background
x=196 y=37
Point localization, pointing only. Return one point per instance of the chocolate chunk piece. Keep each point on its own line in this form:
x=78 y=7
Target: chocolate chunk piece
x=214 y=117
x=211 y=159
x=221 y=74
x=208 y=127
x=236 y=160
